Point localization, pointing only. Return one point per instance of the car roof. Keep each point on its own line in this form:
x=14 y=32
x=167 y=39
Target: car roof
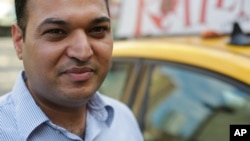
x=214 y=54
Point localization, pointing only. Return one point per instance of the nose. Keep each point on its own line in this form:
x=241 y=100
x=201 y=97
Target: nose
x=80 y=47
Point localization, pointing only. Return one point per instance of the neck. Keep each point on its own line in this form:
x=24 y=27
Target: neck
x=72 y=119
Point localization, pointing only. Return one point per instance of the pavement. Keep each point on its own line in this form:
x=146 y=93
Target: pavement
x=10 y=65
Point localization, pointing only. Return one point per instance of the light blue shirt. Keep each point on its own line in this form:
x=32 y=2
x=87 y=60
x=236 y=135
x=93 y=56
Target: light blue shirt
x=21 y=119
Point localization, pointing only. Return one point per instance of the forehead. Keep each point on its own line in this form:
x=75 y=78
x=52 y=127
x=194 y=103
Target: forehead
x=66 y=8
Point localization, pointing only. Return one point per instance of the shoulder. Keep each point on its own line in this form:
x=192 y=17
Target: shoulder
x=7 y=108
x=7 y=118
x=5 y=101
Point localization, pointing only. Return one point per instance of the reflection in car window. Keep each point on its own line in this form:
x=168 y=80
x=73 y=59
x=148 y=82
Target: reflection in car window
x=116 y=80
x=186 y=104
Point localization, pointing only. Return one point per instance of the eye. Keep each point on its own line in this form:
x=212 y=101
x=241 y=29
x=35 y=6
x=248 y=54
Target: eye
x=55 y=31
x=54 y=34
x=99 y=31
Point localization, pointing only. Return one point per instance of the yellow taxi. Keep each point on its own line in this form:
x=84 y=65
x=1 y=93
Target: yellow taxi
x=182 y=88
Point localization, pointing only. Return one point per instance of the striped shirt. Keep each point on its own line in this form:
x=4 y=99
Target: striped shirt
x=21 y=119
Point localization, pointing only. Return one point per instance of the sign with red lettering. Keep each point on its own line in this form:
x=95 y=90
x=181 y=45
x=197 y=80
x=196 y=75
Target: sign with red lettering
x=179 y=17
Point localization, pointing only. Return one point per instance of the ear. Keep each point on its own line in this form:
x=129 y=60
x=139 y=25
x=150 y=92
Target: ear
x=17 y=37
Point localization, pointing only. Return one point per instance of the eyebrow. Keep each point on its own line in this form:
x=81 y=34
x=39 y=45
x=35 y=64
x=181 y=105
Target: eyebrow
x=58 y=21
x=100 y=20
x=53 y=21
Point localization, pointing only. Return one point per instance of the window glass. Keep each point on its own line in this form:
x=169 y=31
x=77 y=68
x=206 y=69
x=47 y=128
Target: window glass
x=185 y=104
x=116 y=80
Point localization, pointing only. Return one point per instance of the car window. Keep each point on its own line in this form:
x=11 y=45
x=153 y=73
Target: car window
x=121 y=79
x=185 y=104
x=116 y=80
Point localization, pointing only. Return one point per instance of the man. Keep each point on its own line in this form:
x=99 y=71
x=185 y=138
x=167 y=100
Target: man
x=66 y=48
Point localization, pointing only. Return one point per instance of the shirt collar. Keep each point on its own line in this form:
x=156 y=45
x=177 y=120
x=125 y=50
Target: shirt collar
x=29 y=115
x=100 y=116
x=101 y=110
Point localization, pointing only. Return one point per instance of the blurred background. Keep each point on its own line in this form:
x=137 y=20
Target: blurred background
x=134 y=18
x=9 y=63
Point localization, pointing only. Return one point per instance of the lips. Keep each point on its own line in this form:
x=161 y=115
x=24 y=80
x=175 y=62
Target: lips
x=79 y=74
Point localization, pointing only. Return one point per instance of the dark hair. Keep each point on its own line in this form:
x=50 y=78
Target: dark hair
x=107 y=5
x=22 y=14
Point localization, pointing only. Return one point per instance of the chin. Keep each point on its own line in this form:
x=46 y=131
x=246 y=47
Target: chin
x=79 y=94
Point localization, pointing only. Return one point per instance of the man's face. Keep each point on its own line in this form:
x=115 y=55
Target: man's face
x=67 y=49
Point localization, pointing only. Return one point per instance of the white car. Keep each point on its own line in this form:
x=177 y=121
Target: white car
x=7 y=13
x=7 y=16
